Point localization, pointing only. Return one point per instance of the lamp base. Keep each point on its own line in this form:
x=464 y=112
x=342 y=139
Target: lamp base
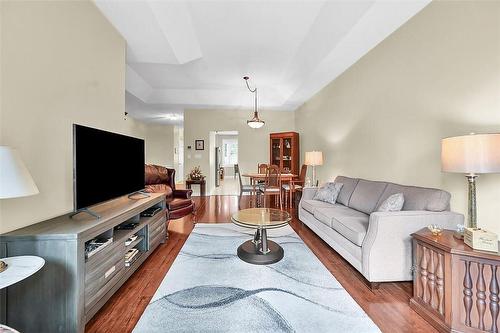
x=472 y=210
x=3 y=266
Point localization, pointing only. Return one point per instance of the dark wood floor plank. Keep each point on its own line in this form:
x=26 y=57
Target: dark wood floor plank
x=388 y=306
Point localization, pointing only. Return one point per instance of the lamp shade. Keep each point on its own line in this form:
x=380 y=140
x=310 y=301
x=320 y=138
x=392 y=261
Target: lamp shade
x=15 y=179
x=314 y=158
x=255 y=122
x=471 y=154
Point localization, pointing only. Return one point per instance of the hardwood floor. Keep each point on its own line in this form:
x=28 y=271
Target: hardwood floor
x=388 y=306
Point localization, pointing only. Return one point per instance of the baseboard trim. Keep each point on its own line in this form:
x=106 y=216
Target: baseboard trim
x=429 y=317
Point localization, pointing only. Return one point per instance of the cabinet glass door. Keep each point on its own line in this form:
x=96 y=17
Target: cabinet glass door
x=287 y=155
x=276 y=151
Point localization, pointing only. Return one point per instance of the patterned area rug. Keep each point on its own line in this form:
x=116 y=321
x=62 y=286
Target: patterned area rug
x=209 y=289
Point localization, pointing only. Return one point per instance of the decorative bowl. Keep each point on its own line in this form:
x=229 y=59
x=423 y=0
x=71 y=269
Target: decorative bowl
x=435 y=229
x=3 y=266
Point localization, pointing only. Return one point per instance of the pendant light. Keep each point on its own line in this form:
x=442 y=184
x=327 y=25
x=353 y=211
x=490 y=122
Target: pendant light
x=255 y=122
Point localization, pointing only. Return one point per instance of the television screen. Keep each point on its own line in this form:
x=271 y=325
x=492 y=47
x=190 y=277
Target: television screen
x=106 y=165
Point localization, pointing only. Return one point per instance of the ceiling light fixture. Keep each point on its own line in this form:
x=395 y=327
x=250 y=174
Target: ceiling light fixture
x=172 y=116
x=255 y=122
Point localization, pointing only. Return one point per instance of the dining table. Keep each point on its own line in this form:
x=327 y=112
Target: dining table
x=255 y=177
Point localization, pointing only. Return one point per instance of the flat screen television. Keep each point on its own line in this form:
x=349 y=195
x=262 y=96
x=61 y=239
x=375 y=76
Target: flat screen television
x=106 y=165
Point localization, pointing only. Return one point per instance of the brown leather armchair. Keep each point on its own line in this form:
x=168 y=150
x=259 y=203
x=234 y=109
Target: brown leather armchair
x=162 y=180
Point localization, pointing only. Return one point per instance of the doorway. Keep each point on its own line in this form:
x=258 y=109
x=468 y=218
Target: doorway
x=226 y=156
x=179 y=154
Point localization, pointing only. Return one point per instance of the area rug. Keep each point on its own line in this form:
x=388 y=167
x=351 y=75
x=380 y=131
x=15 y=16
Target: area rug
x=209 y=289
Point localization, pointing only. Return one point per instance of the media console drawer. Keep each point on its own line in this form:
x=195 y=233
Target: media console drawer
x=100 y=275
x=159 y=238
x=155 y=230
x=96 y=289
x=159 y=222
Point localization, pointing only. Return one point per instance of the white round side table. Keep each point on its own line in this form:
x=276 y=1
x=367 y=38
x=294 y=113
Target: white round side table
x=19 y=268
x=7 y=329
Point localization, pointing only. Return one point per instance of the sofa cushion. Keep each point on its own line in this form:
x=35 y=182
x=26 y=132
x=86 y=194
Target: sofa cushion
x=438 y=201
x=311 y=205
x=350 y=223
x=159 y=188
x=349 y=184
x=366 y=195
x=178 y=203
x=151 y=175
x=394 y=203
x=157 y=174
x=324 y=216
x=419 y=198
x=328 y=193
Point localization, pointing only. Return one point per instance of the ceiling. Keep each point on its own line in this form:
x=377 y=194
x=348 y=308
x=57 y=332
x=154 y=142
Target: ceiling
x=193 y=54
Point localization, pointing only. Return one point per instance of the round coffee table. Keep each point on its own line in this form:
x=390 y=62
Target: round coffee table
x=260 y=250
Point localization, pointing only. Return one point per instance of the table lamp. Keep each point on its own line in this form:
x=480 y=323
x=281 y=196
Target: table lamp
x=472 y=155
x=15 y=179
x=314 y=158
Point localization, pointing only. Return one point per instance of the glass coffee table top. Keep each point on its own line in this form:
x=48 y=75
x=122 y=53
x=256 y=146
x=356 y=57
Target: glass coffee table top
x=261 y=218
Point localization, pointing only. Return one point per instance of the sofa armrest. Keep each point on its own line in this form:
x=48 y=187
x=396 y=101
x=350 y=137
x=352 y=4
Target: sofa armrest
x=308 y=193
x=387 y=247
x=183 y=194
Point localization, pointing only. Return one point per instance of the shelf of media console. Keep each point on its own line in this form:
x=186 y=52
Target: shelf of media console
x=121 y=235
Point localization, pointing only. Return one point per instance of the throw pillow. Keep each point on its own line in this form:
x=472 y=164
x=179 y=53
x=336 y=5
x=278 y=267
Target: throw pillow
x=328 y=193
x=393 y=203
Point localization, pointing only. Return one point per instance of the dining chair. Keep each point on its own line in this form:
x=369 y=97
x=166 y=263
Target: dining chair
x=272 y=185
x=252 y=189
x=261 y=168
x=295 y=184
x=236 y=170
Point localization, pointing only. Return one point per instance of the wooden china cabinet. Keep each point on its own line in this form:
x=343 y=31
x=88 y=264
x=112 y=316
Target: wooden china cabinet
x=284 y=151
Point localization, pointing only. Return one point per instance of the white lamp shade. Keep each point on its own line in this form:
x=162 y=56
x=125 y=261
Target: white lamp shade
x=255 y=123
x=15 y=179
x=314 y=158
x=471 y=154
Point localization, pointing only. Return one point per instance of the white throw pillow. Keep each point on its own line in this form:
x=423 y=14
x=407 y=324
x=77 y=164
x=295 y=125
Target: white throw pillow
x=393 y=203
x=328 y=193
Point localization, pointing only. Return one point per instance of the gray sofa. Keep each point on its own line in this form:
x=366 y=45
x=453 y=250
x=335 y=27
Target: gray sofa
x=377 y=244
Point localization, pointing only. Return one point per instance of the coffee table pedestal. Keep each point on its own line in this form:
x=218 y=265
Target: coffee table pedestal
x=260 y=250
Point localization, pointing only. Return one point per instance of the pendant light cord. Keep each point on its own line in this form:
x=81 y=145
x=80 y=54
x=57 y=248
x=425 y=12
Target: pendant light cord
x=254 y=91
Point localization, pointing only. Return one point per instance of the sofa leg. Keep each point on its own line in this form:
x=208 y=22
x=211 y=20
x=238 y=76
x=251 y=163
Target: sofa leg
x=372 y=285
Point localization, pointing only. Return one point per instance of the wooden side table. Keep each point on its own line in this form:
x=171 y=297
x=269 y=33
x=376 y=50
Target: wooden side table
x=455 y=288
x=200 y=182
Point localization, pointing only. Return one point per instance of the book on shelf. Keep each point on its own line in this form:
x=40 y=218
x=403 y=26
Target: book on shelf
x=95 y=245
x=150 y=212
x=130 y=240
x=131 y=256
x=128 y=226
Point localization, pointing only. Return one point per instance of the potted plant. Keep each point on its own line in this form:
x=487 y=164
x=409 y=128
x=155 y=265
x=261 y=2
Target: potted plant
x=196 y=174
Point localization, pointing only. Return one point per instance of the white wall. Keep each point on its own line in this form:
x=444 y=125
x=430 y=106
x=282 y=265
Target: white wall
x=61 y=63
x=384 y=118
x=160 y=144
x=253 y=143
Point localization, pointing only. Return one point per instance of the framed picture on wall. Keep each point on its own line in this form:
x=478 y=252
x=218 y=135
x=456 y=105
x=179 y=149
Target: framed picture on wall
x=199 y=144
